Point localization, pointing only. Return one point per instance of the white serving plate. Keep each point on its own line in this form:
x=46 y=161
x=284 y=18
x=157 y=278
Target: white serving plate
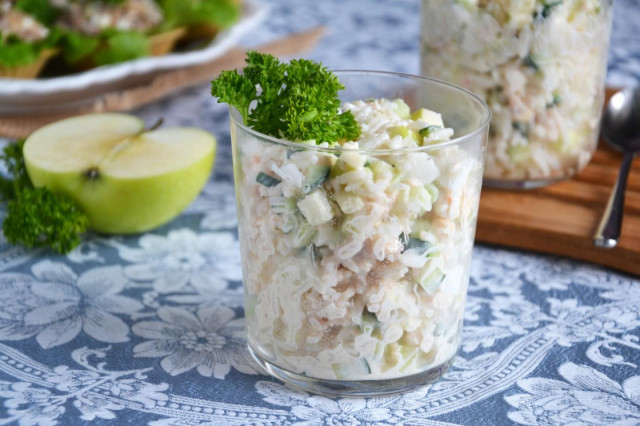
x=46 y=95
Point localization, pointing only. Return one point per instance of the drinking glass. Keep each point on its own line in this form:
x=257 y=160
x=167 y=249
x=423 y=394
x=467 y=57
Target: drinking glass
x=356 y=262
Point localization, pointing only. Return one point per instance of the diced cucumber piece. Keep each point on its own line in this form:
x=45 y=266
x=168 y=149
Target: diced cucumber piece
x=433 y=190
x=303 y=234
x=403 y=132
x=290 y=152
x=411 y=243
x=369 y=323
x=469 y=4
x=431 y=282
x=519 y=153
x=426 y=132
x=316 y=176
x=380 y=167
x=286 y=207
x=283 y=205
x=403 y=109
x=351 y=369
x=267 y=180
x=520 y=127
x=547 y=8
x=432 y=118
x=409 y=359
x=392 y=356
x=567 y=143
x=315 y=208
x=529 y=61
x=555 y=101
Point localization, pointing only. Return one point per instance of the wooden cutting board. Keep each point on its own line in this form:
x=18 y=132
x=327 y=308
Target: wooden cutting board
x=562 y=218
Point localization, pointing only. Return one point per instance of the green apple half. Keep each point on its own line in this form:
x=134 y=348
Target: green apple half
x=125 y=179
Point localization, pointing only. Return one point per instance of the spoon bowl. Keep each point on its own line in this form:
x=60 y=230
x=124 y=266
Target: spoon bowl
x=621 y=129
x=621 y=121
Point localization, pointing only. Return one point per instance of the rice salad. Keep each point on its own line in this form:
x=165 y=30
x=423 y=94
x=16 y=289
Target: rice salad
x=355 y=257
x=539 y=64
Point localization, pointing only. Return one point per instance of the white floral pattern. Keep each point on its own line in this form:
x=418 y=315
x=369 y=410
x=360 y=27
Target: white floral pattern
x=207 y=261
x=211 y=341
x=55 y=304
x=586 y=396
x=148 y=329
x=193 y=337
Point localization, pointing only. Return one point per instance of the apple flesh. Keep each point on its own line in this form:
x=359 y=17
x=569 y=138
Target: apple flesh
x=125 y=179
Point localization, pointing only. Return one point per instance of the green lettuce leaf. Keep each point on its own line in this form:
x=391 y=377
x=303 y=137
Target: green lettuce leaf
x=42 y=10
x=111 y=46
x=76 y=46
x=15 y=52
x=121 y=46
x=222 y=13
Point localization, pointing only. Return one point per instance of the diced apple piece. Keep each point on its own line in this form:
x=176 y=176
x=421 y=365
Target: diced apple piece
x=316 y=208
x=403 y=111
x=353 y=159
x=432 y=118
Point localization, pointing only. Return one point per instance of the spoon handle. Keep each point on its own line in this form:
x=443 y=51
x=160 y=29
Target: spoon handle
x=609 y=229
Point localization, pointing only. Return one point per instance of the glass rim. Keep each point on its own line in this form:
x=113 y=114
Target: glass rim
x=236 y=117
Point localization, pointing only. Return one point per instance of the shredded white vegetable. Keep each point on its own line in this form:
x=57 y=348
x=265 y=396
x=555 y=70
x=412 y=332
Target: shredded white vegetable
x=376 y=288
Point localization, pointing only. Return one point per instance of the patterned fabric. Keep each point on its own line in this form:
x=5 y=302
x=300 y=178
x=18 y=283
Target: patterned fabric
x=149 y=329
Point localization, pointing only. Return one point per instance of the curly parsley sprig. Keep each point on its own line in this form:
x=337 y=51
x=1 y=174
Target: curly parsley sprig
x=37 y=217
x=297 y=101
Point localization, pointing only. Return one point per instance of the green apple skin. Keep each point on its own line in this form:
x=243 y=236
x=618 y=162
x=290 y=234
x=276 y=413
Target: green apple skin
x=128 y=206
x=126 y=199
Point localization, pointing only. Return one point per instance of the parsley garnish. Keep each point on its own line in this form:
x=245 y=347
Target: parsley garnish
x=36 y=216
x=297 y=101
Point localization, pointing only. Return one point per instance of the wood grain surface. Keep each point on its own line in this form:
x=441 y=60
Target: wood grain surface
x=562 y=218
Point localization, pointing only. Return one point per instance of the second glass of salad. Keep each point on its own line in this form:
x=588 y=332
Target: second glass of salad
x=357 y=198
x=539 y=64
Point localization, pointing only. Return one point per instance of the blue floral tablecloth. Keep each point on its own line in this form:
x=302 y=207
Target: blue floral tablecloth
x=144 y=329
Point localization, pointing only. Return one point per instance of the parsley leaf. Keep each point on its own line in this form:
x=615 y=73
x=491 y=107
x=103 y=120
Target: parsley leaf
x=297 y=101
x=36 y=216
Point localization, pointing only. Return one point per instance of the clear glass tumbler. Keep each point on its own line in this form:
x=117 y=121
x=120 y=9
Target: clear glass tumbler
x=356 y=262
x=541 y=67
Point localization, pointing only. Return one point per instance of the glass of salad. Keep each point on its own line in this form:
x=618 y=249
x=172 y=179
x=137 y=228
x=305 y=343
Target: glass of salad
x=539 y=64
x=356 y=241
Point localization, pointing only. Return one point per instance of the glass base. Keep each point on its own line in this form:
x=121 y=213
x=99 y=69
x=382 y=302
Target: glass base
x=521 y=184
x=342 y=388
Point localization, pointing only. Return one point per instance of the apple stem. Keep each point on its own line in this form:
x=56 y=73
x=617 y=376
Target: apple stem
x=155 y=125
x=92 y=173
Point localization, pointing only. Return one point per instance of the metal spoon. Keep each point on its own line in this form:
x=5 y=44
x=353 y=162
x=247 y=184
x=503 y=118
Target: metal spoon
x=621 y=129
